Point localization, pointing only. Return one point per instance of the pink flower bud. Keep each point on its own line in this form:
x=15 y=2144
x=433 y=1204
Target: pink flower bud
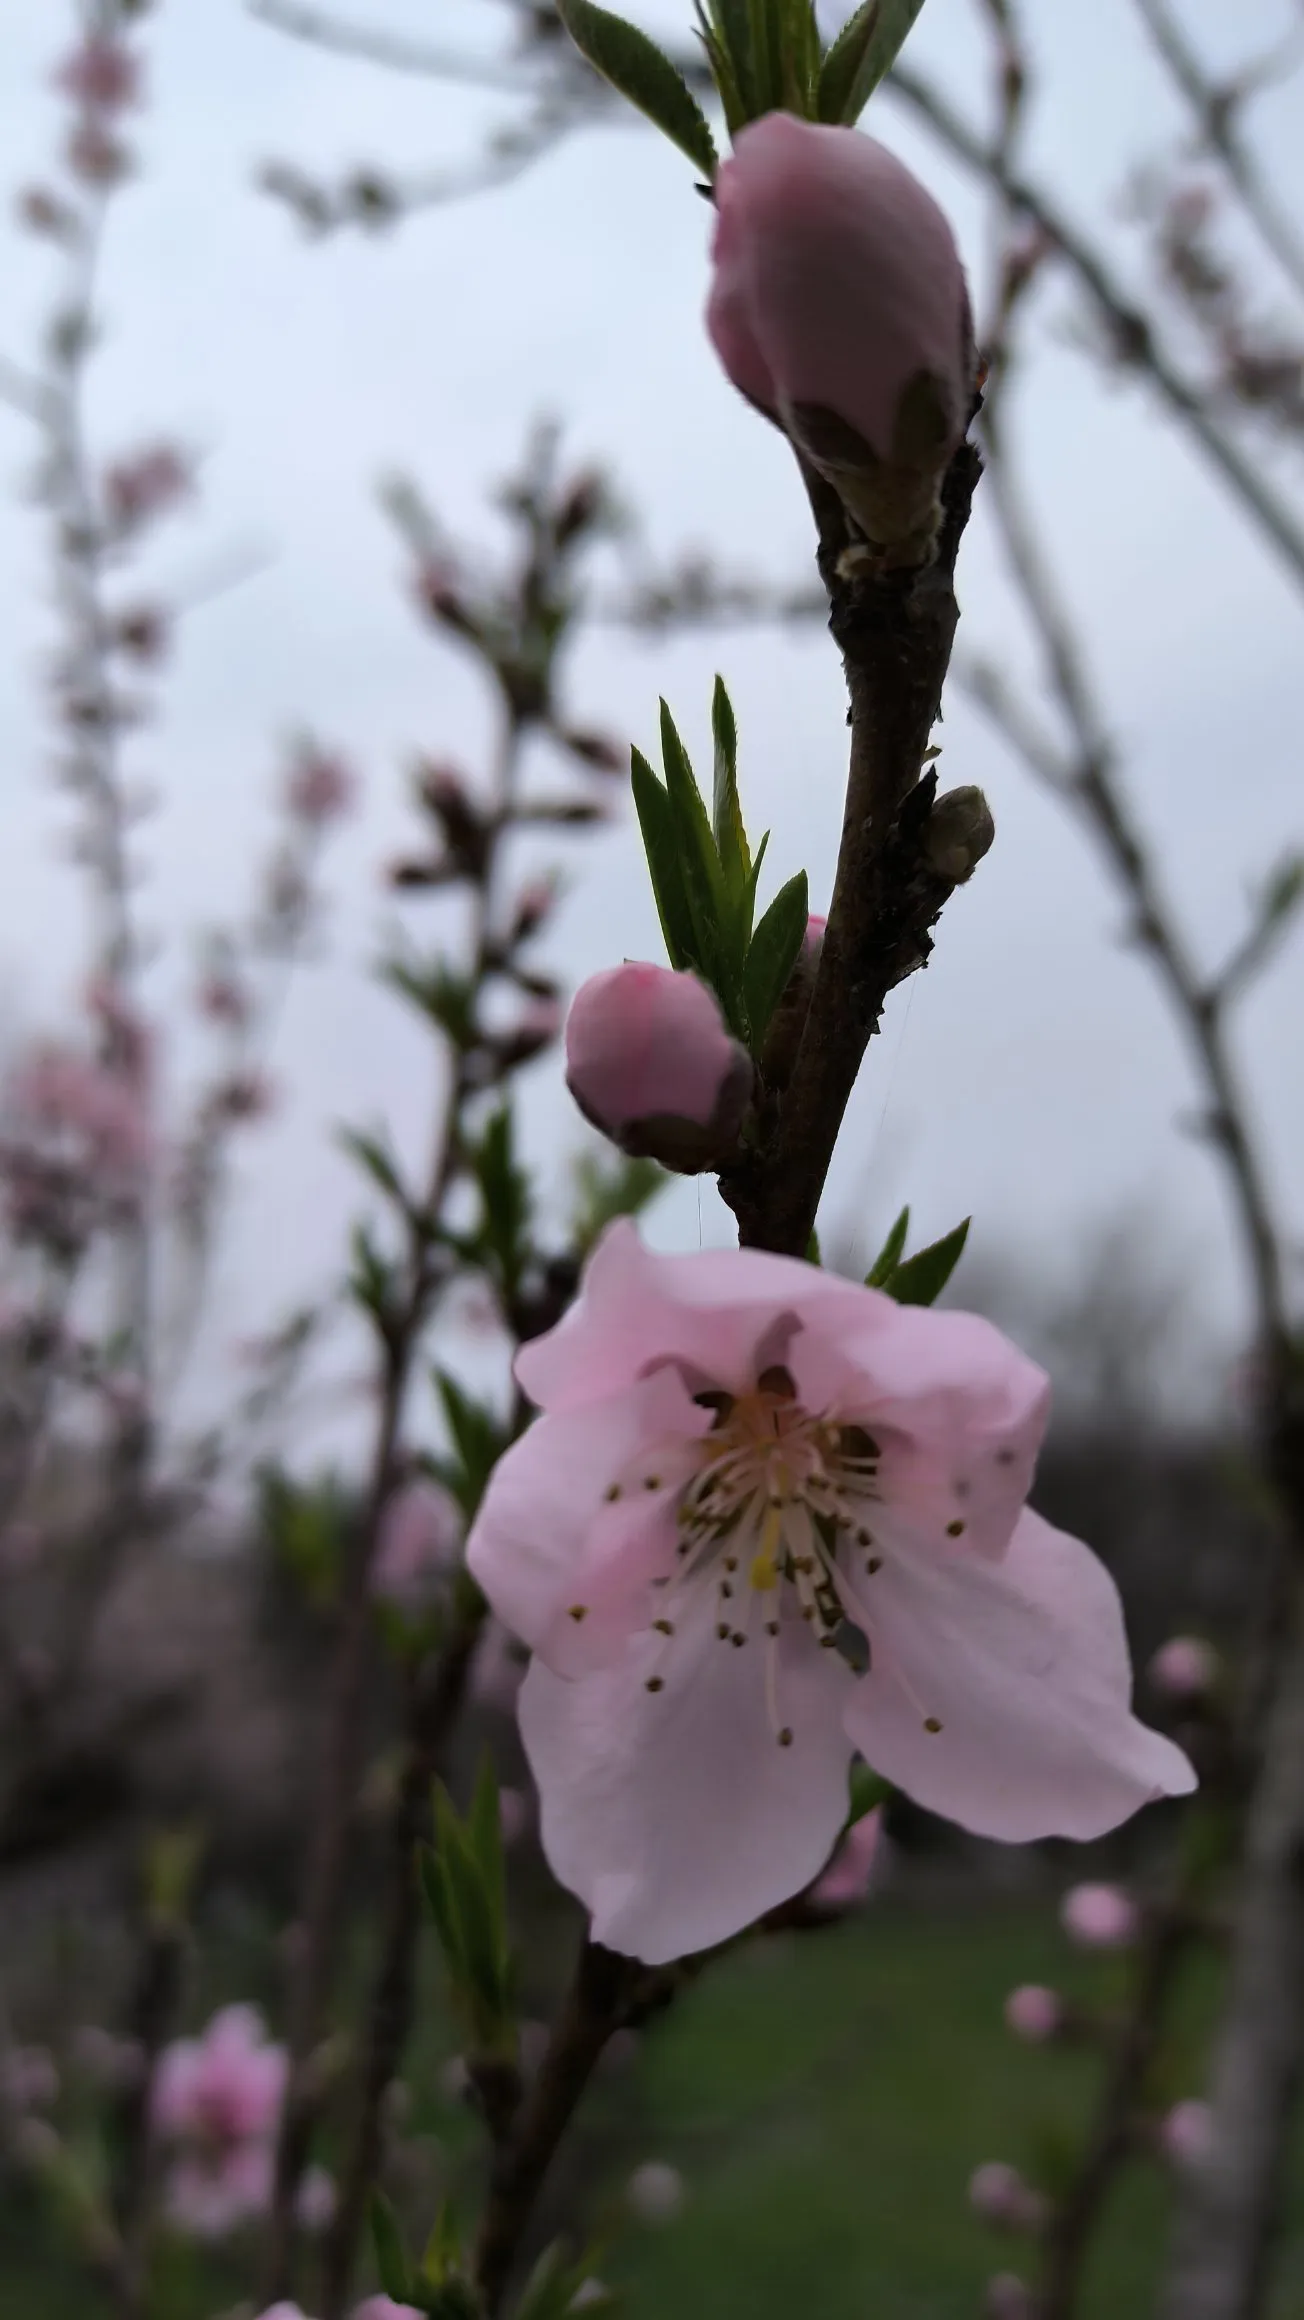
x=1184 y=1668
x=1009 y=2298
x=1186 y=2133
x=655 y=2192
x=650 y=1062
x=416 y=1552
x=1099 y=1916
x=1034 y=2013
x=850 y=1873
x=839 y=306
x=1000 y=2196
x=101 y=74
x=321 y=786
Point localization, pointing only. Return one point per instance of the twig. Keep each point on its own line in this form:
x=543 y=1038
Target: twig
x=1227 y=2223
x=1217 y=107
x=389 y=49
x=1131 y=327
x=895 y=633
x=438 y=1690
x=1168 y=1931
x=605 y=1989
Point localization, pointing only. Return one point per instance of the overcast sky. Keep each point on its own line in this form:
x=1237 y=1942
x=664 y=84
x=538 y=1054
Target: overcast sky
x=1031 y=1076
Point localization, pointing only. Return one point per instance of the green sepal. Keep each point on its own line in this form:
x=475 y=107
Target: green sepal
x=922 y=1278
x=640 y=71
x=889 y=1256
x=656 y=822
x=774 y=952
x=391 y=2254
x=862 y=55
x=867 y=1789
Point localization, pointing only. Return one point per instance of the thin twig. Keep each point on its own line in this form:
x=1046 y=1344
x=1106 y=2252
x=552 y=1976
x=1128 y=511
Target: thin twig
x=1217 y=107
x=1129 y=325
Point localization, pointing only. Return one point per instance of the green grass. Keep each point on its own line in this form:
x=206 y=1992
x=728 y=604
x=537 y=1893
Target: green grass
x=827 y=2098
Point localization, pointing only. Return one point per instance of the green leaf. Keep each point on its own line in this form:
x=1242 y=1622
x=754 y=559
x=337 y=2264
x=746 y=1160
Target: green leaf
x=862 y=55
x=922 y=1278
x=636 y=66
x=801 y=59
x=478 y=1443
x=609 y=1186
x=715 y=955
x=729 y=65
x=889 y=1256
x=656 y=821
x=484 y=1830
x=372 y=1154
x=726 y=812
x=391 y=2255
x=775 y=949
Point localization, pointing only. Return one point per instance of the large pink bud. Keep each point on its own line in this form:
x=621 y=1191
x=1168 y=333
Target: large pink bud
x=839 y=306
x=650 y=1062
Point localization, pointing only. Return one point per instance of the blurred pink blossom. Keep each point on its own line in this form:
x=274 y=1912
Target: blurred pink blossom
x=847 y=1880
x=146 y=485
x=1034 y=2013
x=95 y=155
x=101 y=74
x=651 y=1063
x=655 y=2192
x=1009 y=2298
x=1099 y=1916
x=209 y=2194
x=420 y=1536
x=1185 y=1668
x=316 y=2201
x=1186 y=2133
x=384 y=2308
x=740 y=1454
x=321 y=786
x=1001 y=2196
x=498 y=1670
x=224 y=2087
x=29 y=2078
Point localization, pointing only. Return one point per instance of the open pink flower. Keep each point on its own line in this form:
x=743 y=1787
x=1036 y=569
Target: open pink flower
x=838 y=305
x=767 y=1520
x=650 y=1062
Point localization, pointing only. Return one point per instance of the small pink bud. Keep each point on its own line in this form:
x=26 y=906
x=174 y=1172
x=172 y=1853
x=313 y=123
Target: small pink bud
x=1000 y=2196
x=147 y=485
x=1008 y=2298
x=321 y=786
x=101 y=74
x=655 y=2192
x=95 y=156
x=650 y=1062
x=847 y=1880
x=839 y=306
x=1184 y=1668
x=1034 y=2013
x=1099 y=1916
x=1186 y=2133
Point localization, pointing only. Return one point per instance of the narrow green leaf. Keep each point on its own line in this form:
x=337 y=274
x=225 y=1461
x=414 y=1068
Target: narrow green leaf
x=725 y=70
x=889 y=1256
x=434 y=1887
x=753 y=877
x=801 y=59
x=372 y=1154
x=726 y=812
x=774 y=951
x=636 y=66
x=718 y=955
x=922 y=1278
x=391 y=2255
x=862 y=55
x=656 y=822
x=484 y=1828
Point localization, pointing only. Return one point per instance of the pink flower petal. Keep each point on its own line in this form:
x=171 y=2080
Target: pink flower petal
x=1024 y=1664
x=534 y=1538
x=675 y=1815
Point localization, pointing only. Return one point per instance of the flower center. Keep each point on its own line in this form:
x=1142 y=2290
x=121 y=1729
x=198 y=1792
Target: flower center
x=779 y=1501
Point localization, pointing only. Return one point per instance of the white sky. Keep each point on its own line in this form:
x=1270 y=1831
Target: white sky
x=1031 y=1076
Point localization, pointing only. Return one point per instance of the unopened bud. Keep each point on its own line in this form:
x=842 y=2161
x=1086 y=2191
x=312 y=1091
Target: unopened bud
x=650 y=1062
x=1099 y=1916
x=1034 y=2013
x=1184 y=1668
x=839 y=307
x=789 y=1018
x=1000 y=2195
x=957 y=834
